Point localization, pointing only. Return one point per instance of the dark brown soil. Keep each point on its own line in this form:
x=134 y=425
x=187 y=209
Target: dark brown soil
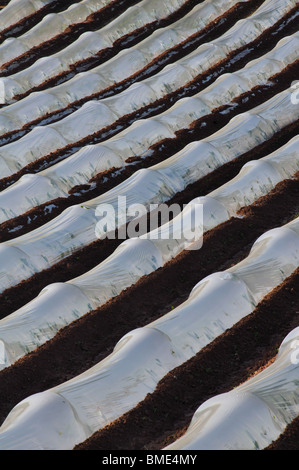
x=290 y=438
x=164 y=149
x=210 y=32
x=94 y=22
x=236 y=60
x=27 y=23
x=89 y=339
x=239 y=353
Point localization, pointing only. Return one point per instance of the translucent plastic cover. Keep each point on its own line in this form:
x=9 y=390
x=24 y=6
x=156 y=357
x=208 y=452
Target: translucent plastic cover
x=38 y=321
x=252 y=415
x=137 y=139
x=145 y=355
x=17 y=10
x=52 y=242
x=61 y=303
x=56 y=23
x=89 y=43
x=116 y=69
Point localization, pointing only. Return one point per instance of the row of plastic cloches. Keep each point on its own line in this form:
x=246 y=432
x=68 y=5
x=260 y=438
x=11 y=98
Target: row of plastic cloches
x=79 y=168
x=61 y=303
x=17 y=10
x=63 y=416
x=252 y=415
x=75 y=227
x=90 y=42
x=131 y=60
x=126 y=63
x=50 y=26
x=95 y=116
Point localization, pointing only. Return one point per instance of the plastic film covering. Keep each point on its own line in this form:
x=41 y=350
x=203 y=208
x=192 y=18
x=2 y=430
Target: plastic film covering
x=118 y=69
x=78 y=169
x=94 y=116
x=139 y=374
x=78 y=225
x=186 y=229
x=17 y=10
x=252 y=415
x=59 y=304
x=50 y=26
x=140 y=359
x=283 y=242
x=88 y=44
x=125 y=64
x=257 y=178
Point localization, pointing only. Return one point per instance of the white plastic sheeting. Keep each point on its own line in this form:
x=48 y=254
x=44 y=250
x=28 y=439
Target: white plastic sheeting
x=87 y=45
x=79 y=168
x=220 y=300
x=128 y=62
x=94 y=116
x=76 y=226
x=90 y=401
x=17 y=10
x=50 y=26
x=114 y=70
x=252 y=415
x=256 y=179
x=59 y=304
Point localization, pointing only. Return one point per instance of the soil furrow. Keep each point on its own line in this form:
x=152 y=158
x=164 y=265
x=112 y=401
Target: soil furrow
x=92 y=337
x=234 y=62
x=242 y=351
x=128 y=40
x=103 y=182
x=92 y=23
x=27 y=23
x=210 y=32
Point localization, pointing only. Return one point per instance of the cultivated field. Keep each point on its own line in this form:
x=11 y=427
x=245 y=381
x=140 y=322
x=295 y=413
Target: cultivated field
x=149 y=225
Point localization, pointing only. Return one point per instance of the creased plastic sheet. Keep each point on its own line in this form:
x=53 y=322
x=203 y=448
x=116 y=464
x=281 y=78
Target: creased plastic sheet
x=17 y=10
x=256 y=179
x=117 y=69
x=76 y=226
x=183 y=168
x=50 y=26
x=59 y=304
x=79 y=168
x=90 y=42
x=261 y=280
x=252 y=415
x=94 y=116
x=144 y=356
x=126 y=63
